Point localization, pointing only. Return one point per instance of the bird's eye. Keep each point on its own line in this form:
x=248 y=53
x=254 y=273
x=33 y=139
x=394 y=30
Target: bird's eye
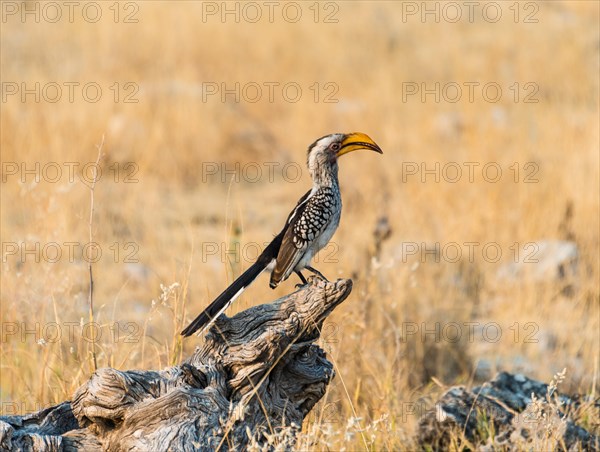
x=335 y=146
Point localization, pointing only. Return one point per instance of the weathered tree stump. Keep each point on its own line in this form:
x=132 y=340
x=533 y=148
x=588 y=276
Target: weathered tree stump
x=255 y=378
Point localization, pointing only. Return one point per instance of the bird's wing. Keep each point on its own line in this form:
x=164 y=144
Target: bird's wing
x=287 y=253
x=305 y=224
x=300 y=206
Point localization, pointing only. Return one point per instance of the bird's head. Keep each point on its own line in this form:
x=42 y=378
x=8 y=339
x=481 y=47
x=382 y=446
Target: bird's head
x=323 y=153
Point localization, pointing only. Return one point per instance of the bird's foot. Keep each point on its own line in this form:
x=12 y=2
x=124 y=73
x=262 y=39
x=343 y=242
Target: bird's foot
x=316 y=273
x=302 y=278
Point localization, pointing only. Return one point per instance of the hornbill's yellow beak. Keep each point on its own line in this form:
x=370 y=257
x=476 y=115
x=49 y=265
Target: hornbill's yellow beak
x=357 y=141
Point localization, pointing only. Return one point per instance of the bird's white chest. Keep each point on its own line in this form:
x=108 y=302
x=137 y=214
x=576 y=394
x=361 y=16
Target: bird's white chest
x=330 y=229
x=321 y=241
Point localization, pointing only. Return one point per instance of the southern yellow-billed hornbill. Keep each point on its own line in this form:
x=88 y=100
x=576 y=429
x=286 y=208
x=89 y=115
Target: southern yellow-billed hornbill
x=308 y=229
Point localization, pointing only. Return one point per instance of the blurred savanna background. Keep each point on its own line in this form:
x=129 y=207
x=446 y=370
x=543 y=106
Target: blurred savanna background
x=473 y=241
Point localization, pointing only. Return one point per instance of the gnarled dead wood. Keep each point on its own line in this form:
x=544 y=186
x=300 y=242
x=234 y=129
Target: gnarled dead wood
x=256 y=377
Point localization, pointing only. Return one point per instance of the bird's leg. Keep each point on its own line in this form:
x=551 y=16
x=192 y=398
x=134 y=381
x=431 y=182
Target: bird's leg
x=302 y=278
x=316 y=272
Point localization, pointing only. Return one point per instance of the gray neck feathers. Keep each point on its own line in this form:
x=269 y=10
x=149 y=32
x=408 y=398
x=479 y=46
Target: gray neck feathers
x=324 y=174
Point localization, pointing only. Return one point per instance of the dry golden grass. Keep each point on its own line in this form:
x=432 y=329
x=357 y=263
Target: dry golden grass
x=174 y=211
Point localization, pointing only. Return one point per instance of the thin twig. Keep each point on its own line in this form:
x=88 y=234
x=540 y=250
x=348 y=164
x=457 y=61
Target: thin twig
x=91 y=237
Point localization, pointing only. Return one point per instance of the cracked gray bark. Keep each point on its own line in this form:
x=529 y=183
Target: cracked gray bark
x=257 y=375
x=506 y=403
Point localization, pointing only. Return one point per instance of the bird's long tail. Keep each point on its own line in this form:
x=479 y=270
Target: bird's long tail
x=222 y=302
